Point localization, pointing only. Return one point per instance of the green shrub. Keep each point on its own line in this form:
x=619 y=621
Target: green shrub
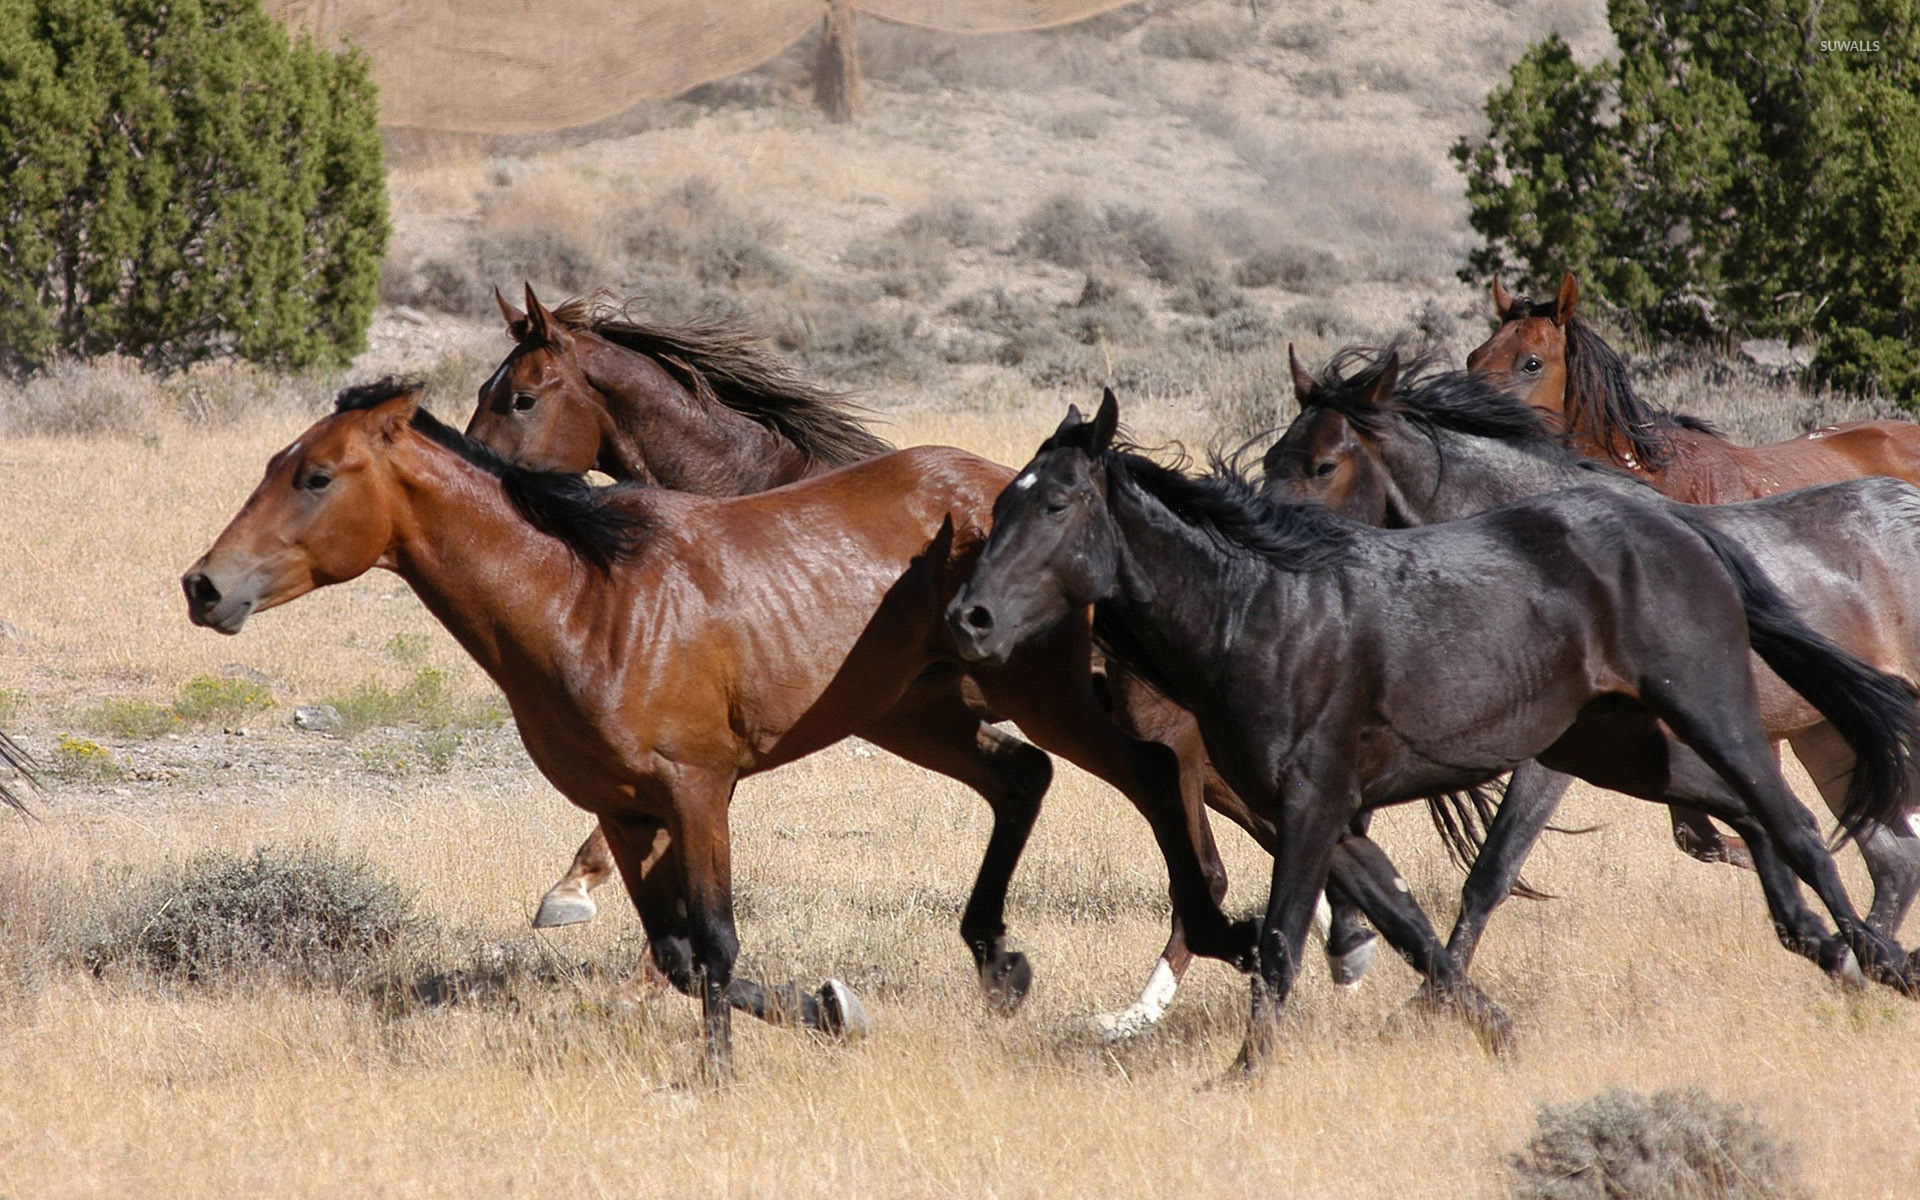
x=310 y=911
x=424 y=700
x=1738 y=168
x=182 y=181
x=201 y=701
x=1674 y=1145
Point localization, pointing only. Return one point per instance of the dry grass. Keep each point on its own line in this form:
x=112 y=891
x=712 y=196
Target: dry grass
x=1654 y=972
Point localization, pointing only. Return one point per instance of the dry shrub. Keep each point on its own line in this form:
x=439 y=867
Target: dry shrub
x=114 y=397
x=954 y=220
x=1063 y=229
x=1208 y=41
x=308 y=912
x=1674 y=1145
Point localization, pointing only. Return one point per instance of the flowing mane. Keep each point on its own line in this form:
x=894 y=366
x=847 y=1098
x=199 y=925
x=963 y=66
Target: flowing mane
x=1237 y=515
x=1424 y=393
x=561 y=505
x=1600 y=394
x=721 y=359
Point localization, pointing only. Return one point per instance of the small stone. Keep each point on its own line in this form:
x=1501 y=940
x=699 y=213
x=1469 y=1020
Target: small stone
x=1773 y=354
x=244 y=672
x=317 y=718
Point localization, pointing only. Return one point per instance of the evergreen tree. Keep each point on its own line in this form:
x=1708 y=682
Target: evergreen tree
x=179 y=180
x=1743 y=165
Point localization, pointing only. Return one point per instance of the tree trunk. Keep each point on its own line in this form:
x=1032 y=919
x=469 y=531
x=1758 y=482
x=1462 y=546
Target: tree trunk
x=836 y=77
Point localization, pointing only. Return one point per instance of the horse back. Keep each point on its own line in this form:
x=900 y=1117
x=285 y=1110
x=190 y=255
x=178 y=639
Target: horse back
x=1707 y=469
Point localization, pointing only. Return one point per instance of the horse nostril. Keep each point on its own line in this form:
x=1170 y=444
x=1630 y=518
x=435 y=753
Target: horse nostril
x=979 y=619
x=200 y=590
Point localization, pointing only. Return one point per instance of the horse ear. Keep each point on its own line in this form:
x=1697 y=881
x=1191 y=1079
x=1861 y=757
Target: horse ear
x=392 y=416
x=1382 y=395
x=1501 y=300
x=542 y=326
x=1106 y=421
x=515 y=318
x=1302 y=382
x=1564 y=302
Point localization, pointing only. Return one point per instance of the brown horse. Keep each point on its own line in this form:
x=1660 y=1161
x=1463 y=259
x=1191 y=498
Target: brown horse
x=708 y=410
x=657 y=646
x=1547 y=356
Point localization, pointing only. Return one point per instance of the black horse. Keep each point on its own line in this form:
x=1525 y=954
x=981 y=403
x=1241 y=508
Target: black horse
x=1335 y=668
x=1400 y=446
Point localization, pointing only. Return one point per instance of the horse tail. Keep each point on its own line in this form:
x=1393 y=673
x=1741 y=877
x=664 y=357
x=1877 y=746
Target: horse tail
x=22 y=764
x=1874 y=711
x=1461 y=818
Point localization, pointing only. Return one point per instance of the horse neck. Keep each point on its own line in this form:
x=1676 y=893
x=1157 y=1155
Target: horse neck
x=455 y=535
x=1179 y=595
x=1453 y=474
x=679 y=439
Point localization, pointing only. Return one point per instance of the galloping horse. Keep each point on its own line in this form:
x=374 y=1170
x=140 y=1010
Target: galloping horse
x=705 y=409
x=1426 y=447
x=1335 y=668
x=656 y=646
x=1546 y=355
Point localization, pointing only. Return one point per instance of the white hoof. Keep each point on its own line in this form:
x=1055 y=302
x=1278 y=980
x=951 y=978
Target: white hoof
x=563 y=908
x=1131 y=1022
x=1850 y=974
x=1348 y=969
x=841 y=1013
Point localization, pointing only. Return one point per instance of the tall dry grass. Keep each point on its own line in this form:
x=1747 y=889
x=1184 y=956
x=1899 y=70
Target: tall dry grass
x=1651 y=972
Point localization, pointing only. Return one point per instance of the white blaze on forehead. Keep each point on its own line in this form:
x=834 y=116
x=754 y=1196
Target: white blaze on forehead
x=1023 y=482
x=498 y=372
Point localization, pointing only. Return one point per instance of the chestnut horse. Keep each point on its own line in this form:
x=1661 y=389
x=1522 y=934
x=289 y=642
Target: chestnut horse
x=657 y=646
x=1546 y=355
x=706 y=408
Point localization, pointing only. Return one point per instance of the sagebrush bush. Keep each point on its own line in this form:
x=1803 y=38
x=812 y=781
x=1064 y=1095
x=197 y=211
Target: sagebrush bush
x=1212 y=41
x=310 y=912
x=183 y=181
x=1673 y=1145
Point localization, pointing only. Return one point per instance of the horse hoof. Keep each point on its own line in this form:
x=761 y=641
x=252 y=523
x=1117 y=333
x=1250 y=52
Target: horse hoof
x=842 y=1015
x=558 y=909
x=1109 y=1028
x=1349 y=965
x=1847 y=971
x=1007 y=977
x=1488 y=1020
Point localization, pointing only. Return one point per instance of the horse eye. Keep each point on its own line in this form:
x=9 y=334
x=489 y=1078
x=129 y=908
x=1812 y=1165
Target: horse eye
x=1056 y=507
x=522 y=401
x=317 y=481
x=1531 y=365
x=1326 y=468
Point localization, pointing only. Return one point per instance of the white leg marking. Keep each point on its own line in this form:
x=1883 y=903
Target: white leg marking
x=1322 y=917
x=1144 y=1013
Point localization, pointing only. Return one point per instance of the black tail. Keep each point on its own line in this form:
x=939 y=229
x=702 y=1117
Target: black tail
x=14 y=757
x=1461 y=819
x=1875 y=712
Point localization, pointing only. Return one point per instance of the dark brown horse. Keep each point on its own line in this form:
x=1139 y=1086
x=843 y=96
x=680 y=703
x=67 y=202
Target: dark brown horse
x=1547 y=356
x=656 y=647
x=707 y=409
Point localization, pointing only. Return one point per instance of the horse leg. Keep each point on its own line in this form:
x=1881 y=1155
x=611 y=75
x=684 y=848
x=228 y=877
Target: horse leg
x=1699 y=838
x=1533 y=793
x=1360 y=875
x=1892 y=851
x=1300 y=867
x=1047 y=690
x=1142 y=713
x=1349 y=944
x=936 y=729
x=570 y=901
x=1740 y=754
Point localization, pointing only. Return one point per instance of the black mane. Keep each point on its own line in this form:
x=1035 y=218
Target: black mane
x=564 y=506
x=720 y=359
x=1425 y=394
x=1239 y=517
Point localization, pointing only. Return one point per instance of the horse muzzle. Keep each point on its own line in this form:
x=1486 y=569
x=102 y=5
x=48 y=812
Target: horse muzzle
x=209 y=606
x=975 y=635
